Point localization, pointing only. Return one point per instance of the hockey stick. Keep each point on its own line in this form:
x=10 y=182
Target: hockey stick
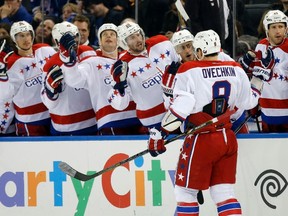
x=242 y=124
x=66 y=168
x=182 y=14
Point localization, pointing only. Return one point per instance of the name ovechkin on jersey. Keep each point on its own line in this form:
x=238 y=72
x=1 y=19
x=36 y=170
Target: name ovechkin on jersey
x=218 y=72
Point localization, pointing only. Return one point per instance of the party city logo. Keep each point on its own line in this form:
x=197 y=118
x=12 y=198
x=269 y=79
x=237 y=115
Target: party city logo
x=26 y=185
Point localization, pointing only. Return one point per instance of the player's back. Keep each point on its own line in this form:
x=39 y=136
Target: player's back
x=206 y=80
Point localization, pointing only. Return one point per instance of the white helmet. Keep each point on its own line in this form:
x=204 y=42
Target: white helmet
x=21 y=26
x=126 y=29
x=181 y=37
x=274 y=16
x=104 y=27
x=208 y=41
x=60 y=29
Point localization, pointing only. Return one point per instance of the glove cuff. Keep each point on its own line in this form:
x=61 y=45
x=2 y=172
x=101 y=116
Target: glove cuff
x=257 y=84
x=167 y=91
x=51 y=95
x=66 y=60
x=3 y=77
x=121 y=86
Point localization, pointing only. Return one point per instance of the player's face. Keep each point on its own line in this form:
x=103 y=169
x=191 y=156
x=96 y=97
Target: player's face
x=277 y=33
x=83 y=30
x=24 y=40
x=108 y=41
x=185 y=50
x=136 y=43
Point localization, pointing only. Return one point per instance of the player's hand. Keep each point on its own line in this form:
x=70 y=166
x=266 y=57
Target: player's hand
x=53 y=82
x=156 y=143
x=168 y=78
x=255 y=112
x=119 y=72
x=247 y=61
x=263 y=66
x=5 y=51
x=68 y=49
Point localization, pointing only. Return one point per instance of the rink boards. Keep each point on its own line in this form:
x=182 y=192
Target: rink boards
x=32 y=184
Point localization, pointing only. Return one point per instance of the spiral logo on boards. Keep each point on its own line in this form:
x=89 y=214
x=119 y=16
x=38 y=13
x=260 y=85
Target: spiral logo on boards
x=272 y=184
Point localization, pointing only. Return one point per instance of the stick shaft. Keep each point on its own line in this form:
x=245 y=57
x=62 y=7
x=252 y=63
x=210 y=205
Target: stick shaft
x=83 y=177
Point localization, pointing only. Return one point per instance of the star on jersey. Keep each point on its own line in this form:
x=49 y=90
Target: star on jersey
x=184 y=156
x=5 y=116
x=115 y=92
x=107 y=66
x=148 y=66
x=33 y=65
x=281 y=77
x=141 y=70
x=180 y=176
x=167 y=52
x=277 y=60
x=99 y=66
x=133 y=74
x=156 y=60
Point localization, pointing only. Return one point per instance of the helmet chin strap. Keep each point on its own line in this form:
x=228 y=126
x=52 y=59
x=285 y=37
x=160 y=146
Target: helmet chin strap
x=25 y=50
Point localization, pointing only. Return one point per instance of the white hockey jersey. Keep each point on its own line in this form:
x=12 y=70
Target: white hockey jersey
x=24 y=85
x=198 y=82
x=94 y=75
x=274 y=97
x=71 y=113
x=144 y=80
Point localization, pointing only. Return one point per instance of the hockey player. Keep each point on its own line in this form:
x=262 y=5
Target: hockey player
x=274 y=98
x=183 y=44
x=205 y=89
x=138 y=73
x=6 y=107
x=70 y=108
x=25 y=80
x=94 y=75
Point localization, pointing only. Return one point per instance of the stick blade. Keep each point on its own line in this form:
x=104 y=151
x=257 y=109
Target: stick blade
x=66 y=168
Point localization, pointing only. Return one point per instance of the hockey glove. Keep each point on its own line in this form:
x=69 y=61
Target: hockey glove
x=68 y=49
x=247 y=61
x=119 y=73
x=156 y=143
x=263 y=66
x=168 y=78
x=255 y=112
x=52 y=84
x=5 y=50
x=3 y=70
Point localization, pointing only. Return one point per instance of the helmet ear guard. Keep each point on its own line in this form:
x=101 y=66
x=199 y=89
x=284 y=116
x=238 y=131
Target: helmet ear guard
x=208 y=42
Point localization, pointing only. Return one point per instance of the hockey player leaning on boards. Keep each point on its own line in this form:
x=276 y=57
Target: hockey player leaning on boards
x=274 y=98
x=138 y=73
x=70 y=108
x=205 y=89
x=183 y=44
x=94 y=75
x=25 y=81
